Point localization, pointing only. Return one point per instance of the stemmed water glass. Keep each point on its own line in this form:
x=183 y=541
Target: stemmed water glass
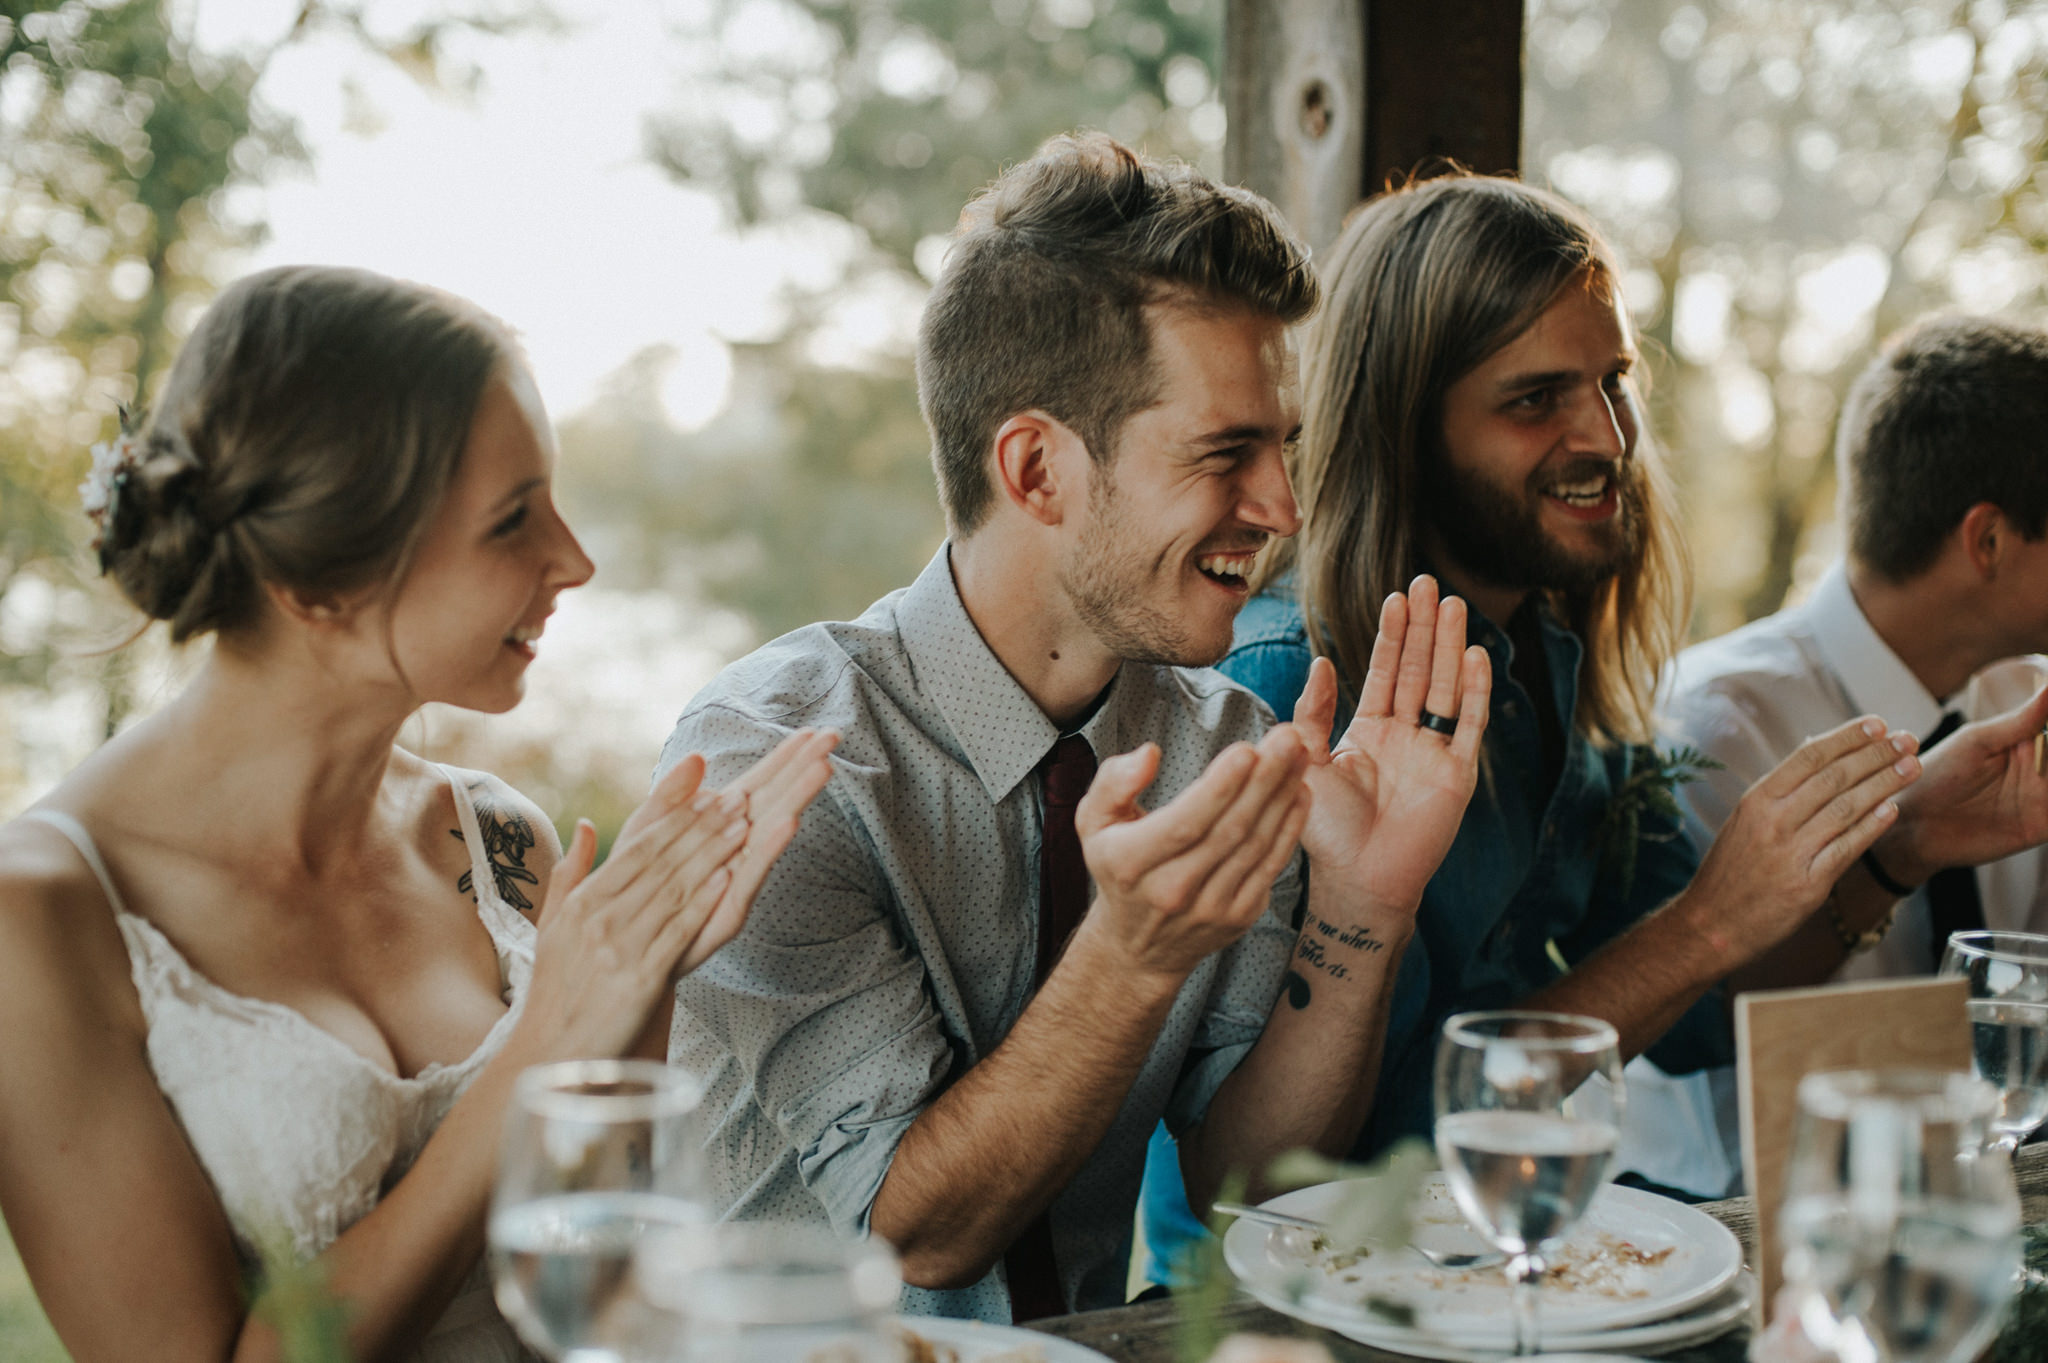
x=1528 y=1114
x=2008 y=975
x=596 y=1155
x=1901 y=1226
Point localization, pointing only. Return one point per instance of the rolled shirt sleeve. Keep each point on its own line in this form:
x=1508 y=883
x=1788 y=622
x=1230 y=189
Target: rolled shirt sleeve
x=822 y=1013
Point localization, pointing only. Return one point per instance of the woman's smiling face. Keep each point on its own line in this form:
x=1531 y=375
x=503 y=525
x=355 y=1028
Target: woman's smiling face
x=464 y=624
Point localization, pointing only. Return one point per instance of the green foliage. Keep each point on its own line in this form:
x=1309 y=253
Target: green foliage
x=1372 y=1211
x=2024 y=1338
x=813 y=494
x=25 y=1333
x=122 y=148
x=892 y=113
x=294 y=1300
x=1649 y=792
x=810 y=496
x=117 y=146
x=1202 y=1284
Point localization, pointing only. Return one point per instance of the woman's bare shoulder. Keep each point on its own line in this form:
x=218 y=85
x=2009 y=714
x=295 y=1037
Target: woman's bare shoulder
x=518 y=840
x=59 y=943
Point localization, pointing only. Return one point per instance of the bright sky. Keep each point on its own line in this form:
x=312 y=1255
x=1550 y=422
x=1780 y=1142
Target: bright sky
x=534 y=198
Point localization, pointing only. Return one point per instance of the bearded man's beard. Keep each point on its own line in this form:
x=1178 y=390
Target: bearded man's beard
x=1496 y=533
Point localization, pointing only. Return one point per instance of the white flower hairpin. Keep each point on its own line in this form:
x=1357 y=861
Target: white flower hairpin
x=113 y=463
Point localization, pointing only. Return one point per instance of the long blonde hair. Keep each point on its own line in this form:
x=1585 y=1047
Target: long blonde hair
x=1424 y=284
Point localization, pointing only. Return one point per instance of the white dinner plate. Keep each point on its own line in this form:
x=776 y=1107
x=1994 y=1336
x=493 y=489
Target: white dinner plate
x=1706 y=1321
x=976 y=1339
x=1634 y=1258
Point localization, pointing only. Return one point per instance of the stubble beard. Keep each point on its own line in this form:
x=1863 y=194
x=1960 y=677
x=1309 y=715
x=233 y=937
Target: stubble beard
x=1107 y=581
x=1497 y=534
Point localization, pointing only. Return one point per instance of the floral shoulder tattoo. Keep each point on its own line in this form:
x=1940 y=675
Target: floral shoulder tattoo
x=508 y=837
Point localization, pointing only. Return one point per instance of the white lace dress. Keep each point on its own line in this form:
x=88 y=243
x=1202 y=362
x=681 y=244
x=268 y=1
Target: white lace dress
x=299 y=1132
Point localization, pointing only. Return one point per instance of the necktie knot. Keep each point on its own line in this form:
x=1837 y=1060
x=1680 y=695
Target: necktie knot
x=1067 y=771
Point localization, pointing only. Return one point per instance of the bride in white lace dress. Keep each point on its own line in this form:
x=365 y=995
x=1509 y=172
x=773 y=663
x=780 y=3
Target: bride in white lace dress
x=266 y=977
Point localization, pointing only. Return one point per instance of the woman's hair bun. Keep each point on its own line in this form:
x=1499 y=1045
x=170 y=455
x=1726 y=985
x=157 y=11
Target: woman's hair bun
x=304 y=438
x=159 y=542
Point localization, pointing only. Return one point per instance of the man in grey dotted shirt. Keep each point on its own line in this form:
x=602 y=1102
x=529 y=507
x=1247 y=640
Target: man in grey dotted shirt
x=1105 y=369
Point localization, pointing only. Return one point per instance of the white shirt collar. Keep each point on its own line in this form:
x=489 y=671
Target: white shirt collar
x=1877 y=681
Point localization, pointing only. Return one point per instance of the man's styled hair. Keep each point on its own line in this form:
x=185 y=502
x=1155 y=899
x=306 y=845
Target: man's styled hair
x=1425 y=283
x=1952 y=412
x=1041 y=304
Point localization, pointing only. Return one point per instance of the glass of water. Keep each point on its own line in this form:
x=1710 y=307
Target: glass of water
x=596 y=1154
x=2008 y=975
x=765 y=1292
x=1901 y=1226
x=1528 y=1113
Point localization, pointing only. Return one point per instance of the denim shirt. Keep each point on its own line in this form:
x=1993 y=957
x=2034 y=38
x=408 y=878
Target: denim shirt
x=1528 y=872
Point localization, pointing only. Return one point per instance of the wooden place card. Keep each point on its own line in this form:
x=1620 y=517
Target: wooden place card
x=1783 y=1035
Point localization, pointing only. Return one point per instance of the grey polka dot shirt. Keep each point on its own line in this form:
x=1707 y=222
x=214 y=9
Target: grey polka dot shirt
x=892 y=945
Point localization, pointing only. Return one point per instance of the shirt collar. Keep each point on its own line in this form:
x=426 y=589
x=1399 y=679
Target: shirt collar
x=1872 y=675
x=1000 y=729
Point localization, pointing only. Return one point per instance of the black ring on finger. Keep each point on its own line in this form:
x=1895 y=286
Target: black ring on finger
x=1437 y=724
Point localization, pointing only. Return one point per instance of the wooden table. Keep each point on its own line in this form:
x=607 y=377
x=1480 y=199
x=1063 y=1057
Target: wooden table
x=1145 y=1333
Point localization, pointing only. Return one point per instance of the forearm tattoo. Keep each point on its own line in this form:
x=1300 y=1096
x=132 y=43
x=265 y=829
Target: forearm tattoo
x=1323 y=947
x=508 y=837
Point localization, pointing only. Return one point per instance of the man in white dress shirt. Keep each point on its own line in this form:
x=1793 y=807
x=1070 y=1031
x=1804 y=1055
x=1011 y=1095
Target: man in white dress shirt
x=1937 y=610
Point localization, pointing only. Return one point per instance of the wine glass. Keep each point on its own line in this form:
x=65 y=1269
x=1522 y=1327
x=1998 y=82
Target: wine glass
x=767 y=1292
x=1528 y=1113
x=596 y=1154
x=2008 y=975
x=1901 y=1227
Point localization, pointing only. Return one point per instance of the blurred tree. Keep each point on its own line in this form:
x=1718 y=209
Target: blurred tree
x=115 y=144
x=1790 y=178
x=1791 y=181
x=867 y=124
x=123 y=149
x=892 y=113
x=807 y=498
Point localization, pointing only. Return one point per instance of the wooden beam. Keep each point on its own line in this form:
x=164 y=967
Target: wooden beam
x=1443 y=81
x=1330 y=100
x=1294 y=90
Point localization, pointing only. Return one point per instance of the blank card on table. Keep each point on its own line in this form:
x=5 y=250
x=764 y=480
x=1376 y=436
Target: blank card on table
x=1782 y=1035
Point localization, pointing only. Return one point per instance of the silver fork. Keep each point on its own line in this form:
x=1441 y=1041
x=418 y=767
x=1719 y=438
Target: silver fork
x=1441 y=1258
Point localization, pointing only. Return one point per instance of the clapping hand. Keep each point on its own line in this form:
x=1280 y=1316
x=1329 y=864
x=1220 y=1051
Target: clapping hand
x=1390 y=797
x=1189 y=878
x=677 y=886
x=1981 y=796
x=1798 y=829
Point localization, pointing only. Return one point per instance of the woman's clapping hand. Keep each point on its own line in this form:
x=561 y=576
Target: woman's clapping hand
x=676 y=887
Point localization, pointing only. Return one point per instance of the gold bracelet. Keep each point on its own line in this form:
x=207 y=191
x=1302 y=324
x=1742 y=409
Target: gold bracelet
x=1851 y=940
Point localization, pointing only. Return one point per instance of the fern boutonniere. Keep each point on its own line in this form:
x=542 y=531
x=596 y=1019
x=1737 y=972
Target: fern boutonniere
x=1650 y=790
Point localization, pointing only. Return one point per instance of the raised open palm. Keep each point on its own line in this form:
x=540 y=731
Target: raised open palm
x=1390 y=796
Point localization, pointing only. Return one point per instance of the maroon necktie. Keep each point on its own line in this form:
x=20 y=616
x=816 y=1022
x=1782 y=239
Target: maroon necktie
x=1062 y=900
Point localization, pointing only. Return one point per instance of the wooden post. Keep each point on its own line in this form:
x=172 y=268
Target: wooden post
x=1294 y=89
x=1330 y=99
x=1443 y=81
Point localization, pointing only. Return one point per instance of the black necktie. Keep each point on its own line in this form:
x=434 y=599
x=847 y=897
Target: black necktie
x=1952 y=903
x=1064 y=776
